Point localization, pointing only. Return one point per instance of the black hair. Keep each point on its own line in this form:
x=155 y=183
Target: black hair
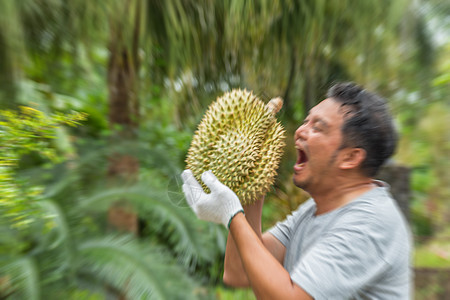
x=367 y=124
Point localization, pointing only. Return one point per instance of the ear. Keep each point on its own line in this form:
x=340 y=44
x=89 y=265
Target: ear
x=351 y=158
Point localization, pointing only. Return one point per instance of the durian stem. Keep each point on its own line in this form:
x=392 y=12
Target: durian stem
x=275 y=105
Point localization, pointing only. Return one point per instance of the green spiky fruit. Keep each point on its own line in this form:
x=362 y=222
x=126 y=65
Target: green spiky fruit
x=240 y=140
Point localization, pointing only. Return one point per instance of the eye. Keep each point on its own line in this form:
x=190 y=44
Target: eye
x=315 y=126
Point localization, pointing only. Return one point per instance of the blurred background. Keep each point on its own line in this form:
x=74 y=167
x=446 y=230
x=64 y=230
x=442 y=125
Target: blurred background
x=100 y=99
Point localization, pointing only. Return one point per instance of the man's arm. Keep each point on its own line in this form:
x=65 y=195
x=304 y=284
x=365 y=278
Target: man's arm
x=265 y=273
x=234 y=274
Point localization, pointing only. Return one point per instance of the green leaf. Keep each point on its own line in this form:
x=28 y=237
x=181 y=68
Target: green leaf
x=22 y=276
x=138 y=273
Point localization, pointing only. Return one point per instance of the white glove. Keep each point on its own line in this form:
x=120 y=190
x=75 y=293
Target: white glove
x=219 y=206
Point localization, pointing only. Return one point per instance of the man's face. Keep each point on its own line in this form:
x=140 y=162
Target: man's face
x=317 y=141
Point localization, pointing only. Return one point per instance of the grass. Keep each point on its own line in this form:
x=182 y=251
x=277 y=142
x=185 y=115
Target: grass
x=435 y=253
x=425 y=257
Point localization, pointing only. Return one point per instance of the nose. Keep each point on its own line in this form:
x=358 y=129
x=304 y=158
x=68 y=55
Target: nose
x=301 y=133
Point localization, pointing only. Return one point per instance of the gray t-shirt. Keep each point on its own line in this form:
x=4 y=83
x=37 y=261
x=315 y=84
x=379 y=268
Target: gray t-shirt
x=358 y=251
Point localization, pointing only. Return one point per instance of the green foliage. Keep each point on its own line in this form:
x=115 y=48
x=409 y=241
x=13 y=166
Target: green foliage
x=423 y=257
x=434 y=252
x=426 y=149
x=140 y=272
x=22 y=133
x=223 y=293
x=66 y=251
x=75 y=251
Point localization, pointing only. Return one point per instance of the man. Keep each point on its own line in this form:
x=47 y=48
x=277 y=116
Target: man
x=349 y=241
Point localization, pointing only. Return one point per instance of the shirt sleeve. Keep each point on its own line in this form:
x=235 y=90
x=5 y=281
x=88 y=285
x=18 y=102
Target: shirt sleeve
x=282 y=231
x=341 y=262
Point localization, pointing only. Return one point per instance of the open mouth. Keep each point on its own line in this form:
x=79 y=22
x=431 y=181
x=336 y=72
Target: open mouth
x=302 y=158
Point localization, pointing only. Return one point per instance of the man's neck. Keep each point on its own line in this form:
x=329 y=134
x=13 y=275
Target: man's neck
x=339 y=194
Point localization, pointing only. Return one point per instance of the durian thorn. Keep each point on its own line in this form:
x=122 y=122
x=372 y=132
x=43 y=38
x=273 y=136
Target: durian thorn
x=275 y=105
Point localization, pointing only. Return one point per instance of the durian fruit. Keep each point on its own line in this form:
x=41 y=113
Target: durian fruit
x=240 y=140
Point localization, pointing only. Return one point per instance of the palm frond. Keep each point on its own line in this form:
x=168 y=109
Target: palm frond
x=23 y=278
x=55 y=225
x=139 y=274
x=177 y=224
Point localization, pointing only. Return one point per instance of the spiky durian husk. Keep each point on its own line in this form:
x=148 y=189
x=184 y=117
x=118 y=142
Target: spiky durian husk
x=240 y=140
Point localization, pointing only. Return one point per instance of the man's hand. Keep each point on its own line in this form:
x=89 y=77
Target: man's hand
x=219 y=206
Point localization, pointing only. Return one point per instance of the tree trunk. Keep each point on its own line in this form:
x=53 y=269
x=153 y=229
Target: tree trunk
x=123 y=68
x=398 y=177
x=289 y=108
